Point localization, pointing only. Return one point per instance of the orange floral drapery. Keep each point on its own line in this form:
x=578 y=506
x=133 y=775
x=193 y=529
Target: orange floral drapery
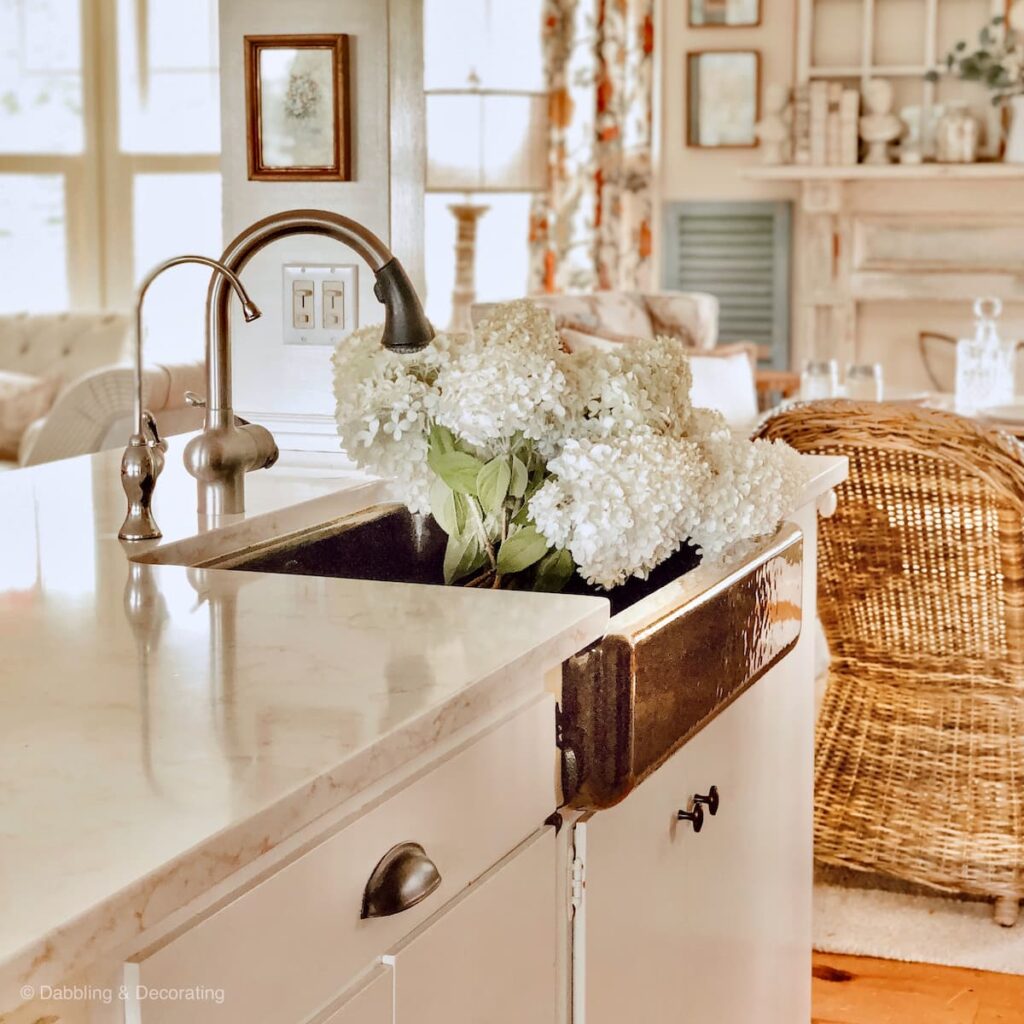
x=592 y=227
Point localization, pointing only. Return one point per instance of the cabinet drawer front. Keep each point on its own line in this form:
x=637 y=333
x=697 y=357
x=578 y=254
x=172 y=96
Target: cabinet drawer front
x=491 y=956
x=715 y=927
x=285 y=947
x=372 y=1002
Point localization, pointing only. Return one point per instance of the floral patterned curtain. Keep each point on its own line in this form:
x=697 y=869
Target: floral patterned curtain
x=592 y=228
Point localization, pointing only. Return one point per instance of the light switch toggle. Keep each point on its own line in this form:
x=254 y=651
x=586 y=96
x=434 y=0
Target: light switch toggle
x=334 y=304
x=302 y=304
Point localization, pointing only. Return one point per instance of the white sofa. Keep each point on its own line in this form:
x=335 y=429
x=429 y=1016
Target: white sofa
x=84 y=360
x=95 y=412
x=63 y=345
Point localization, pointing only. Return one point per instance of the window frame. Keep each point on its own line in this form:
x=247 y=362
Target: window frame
x=99 y=222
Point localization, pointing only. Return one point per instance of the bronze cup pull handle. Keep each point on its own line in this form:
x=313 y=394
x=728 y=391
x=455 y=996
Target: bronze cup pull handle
x=404 y=877
x=695 y=817
x=711 y=801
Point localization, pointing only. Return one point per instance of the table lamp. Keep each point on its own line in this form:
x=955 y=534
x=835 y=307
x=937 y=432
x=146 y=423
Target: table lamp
x=482 y=141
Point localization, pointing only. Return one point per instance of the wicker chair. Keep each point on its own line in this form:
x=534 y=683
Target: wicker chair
x=919 y=759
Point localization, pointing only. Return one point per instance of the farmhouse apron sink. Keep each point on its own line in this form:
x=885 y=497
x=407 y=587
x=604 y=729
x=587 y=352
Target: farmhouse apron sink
x=680 y=646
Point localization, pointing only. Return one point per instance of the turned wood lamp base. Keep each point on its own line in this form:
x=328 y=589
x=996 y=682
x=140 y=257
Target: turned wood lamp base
x=464 y=293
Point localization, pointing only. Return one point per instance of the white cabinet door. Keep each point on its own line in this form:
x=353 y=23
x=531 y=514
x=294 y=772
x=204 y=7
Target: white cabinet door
x=710 y=928
x=370 y=1002
x=489 y=957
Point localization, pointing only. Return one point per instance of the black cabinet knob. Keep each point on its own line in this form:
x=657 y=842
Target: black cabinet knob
x=710 y=801
x=695 y=817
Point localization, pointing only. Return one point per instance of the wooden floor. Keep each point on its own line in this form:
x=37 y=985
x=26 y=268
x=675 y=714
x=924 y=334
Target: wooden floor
x=856 y=990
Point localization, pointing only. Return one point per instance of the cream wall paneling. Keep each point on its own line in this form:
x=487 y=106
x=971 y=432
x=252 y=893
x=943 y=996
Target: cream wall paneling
x=98 y=181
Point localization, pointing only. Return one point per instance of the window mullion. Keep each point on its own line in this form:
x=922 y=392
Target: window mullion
x=115 y=168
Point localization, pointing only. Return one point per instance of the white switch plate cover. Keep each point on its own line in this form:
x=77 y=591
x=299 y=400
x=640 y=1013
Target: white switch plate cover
x=325 y=277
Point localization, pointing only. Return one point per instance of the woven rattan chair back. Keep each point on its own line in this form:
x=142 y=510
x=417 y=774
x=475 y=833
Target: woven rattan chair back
x=920 y=742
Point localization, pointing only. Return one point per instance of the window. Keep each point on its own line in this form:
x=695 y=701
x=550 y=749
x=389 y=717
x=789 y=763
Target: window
x=109 y=158
x=500 y=42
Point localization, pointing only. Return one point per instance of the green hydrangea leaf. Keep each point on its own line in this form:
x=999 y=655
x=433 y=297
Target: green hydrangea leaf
x=554 y=571
x=441 y=439
x=492 y=484
x=457 y=469
x=442 y=506
x=521 y=550
x=520 y=477
x=462 y=556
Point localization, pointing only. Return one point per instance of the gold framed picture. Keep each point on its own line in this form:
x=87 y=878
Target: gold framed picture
x=723 y=98
x=297 y=108
x=725 y=13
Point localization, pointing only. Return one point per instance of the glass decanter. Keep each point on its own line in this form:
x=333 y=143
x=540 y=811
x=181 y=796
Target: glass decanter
x=984 y=364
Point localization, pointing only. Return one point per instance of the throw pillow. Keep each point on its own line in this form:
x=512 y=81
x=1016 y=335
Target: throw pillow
x=575 y=340
x=23 y=399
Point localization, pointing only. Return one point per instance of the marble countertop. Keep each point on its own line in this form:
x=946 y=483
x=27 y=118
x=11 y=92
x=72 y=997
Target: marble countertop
x=162 y=727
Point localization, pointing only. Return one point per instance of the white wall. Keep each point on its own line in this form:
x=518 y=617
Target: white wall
x=273 y=382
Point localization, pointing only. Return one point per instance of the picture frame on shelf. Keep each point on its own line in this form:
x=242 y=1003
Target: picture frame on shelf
x=724 y=13
x=723 y=101
x=297 y=107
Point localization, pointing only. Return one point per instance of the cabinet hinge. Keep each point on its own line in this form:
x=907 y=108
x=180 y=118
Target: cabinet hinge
x=578 y=884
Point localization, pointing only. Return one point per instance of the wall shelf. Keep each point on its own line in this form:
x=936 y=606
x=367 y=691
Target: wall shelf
x=889 y=172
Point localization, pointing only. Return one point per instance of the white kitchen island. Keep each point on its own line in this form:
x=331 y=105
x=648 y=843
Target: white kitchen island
x=200 y=769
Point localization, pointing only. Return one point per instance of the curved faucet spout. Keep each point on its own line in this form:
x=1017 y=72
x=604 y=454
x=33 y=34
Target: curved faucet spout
x=220 y=272
x=406 y=328
x=228 y=447
x=143 y=459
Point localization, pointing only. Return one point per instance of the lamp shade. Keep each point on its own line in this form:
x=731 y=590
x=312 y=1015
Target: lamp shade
x=484 y=140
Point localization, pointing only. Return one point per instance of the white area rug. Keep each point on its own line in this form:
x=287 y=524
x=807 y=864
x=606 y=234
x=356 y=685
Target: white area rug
x=922 y=929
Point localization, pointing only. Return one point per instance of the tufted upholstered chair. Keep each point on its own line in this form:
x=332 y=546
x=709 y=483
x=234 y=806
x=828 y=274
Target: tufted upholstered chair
x=63 y=345
x=88 y=355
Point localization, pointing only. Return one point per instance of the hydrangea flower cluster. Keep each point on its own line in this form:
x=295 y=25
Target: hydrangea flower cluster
x=538 y=463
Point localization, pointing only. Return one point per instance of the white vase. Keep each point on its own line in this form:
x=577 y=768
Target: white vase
x=1015 y=140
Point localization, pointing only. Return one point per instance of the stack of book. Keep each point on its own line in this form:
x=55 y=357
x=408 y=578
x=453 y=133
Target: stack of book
x=825 y=125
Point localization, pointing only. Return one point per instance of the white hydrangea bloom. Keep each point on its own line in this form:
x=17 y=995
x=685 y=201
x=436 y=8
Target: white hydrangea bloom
x=621 y=505
x=752 y=486
x=644 y=384
x=506 y=380
x=634 y=470
x=385 y=401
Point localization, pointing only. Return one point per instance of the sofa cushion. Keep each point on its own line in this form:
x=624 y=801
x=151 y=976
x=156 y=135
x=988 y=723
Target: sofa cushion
x=576 y=341
x=579 y=311
x=62 y=345
x=725 y=383
x=624 y=313
x=690 y=316
x=23 y=399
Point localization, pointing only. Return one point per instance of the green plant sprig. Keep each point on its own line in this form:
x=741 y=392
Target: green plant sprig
x=483 y=506
x=996 y=41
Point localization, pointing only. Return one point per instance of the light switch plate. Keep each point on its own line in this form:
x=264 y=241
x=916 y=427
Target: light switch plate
x=335 y=309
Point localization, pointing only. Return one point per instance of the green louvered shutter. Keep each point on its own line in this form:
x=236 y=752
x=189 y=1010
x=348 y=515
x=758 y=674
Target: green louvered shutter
x=739 y=252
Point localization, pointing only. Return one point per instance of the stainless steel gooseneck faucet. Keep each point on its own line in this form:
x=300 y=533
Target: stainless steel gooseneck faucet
x=143 y=459
x=228 y=447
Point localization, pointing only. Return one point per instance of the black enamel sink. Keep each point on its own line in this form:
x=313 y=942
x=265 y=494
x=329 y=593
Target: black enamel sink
x=390 y=544
x=680 y=646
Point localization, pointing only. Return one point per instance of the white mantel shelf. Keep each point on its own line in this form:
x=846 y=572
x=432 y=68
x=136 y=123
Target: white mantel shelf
x=888 y=172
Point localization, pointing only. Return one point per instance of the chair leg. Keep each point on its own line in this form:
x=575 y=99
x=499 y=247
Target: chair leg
x=1006 y=910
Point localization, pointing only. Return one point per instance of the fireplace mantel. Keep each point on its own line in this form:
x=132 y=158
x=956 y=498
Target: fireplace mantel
x=923 y=241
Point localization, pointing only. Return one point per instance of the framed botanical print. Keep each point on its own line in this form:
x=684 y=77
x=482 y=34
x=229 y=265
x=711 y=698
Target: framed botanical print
x=297 y=108
x=723 y=98
x=724 y=13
